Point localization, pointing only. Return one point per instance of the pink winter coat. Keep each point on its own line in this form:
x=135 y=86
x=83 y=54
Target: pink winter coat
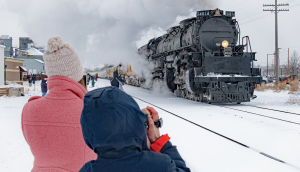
x=51 y=127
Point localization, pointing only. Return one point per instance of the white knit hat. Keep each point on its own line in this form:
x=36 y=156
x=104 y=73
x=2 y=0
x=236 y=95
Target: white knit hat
x=61 y=59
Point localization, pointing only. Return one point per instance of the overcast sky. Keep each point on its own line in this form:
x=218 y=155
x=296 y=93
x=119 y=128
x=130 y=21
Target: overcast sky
x=109 y=31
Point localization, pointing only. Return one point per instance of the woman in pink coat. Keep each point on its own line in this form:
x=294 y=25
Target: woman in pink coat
x=51 y=125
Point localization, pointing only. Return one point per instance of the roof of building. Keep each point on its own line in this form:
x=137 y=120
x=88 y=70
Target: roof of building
x=39 y=61
x=23 y=68
x=33 y=51
x=13 y=59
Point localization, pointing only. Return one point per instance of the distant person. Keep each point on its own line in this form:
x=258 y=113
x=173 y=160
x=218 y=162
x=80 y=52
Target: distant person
x=28 y=79
x=33 y=79
x=88 y=79
x=96 y=76
x=51 y=125
x=44 y=87
x=117 y=130
x=93 y=81
x=116 y=82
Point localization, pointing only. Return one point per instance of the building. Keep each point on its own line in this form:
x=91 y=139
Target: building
x=14 y=70
x=27 y=50
x=2 y=64
x=6 y=41
x=34 y=66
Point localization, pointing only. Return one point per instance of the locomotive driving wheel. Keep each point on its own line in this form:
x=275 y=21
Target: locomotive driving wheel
x=201 y=97
x=191 y=96
x=196 y=97
x=187 y=94
x=182 y=94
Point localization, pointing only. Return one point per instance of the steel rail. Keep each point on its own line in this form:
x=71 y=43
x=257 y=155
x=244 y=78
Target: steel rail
x=237 y=142
x=272 y=109
x=258 y=114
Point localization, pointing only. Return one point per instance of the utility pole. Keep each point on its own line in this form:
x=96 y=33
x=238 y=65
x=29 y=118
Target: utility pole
x=288 y=61
x=276 y=32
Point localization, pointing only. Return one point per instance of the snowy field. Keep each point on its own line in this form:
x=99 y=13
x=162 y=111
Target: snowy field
x=201 y=149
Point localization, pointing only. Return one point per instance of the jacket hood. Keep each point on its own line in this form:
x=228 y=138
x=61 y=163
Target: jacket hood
x=112 y=123
x=116 y=74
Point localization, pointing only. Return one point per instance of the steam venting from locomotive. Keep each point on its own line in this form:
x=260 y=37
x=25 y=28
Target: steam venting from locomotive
x=101 y=31
x=204 y=59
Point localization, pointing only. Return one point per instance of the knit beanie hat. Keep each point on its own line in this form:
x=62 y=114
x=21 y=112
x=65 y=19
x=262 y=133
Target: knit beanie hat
x=61 y=59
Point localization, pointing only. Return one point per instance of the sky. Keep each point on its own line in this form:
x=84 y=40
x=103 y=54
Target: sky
x=110 y=31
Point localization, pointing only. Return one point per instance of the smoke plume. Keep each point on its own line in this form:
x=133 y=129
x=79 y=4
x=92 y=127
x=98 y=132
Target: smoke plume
x=103 y=31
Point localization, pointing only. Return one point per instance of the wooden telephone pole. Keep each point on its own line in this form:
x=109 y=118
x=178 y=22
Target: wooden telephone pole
x=288 y=61
x=276 y=10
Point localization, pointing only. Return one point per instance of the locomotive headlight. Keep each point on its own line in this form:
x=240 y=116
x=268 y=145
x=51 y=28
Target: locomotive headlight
x=225 y=43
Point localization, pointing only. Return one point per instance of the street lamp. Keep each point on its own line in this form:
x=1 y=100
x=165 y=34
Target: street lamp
x=268 y=63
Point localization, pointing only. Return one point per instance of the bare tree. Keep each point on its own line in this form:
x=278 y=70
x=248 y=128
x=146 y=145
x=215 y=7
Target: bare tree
x=294 y=62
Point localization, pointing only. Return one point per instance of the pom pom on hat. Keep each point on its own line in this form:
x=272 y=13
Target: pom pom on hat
x=61 y=59
x=55 y=43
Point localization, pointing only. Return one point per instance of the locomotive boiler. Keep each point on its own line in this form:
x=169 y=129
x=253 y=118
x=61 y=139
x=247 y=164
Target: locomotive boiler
x=205 y=59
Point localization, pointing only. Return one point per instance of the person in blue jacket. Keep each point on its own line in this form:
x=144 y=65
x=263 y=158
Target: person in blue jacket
x=123 y=138
x=44 y=87
x=33 y=79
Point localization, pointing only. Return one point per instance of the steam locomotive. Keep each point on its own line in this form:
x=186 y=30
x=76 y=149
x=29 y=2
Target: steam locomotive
x=205 y=59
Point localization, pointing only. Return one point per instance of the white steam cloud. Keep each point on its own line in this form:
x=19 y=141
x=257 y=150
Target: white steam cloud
x=103 y=31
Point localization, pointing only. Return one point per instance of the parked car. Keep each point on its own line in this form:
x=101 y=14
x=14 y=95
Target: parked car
x=283 y=78
x=270 y=79
x=266 y=80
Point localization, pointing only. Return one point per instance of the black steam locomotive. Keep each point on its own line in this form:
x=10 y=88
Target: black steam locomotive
x=205 y=59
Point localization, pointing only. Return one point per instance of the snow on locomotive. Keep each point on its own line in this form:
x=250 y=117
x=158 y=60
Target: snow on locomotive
x=205 y=59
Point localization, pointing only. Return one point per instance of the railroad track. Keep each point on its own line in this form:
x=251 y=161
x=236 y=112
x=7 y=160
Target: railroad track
x=223 y=136
x=276 y=110
x=253 y=113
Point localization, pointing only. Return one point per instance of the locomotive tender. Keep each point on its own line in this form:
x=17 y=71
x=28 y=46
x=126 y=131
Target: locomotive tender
x=205 y=59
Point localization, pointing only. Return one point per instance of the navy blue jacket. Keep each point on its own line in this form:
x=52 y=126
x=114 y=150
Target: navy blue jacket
x=115 y=128
x=44 y=86
x=33 y=78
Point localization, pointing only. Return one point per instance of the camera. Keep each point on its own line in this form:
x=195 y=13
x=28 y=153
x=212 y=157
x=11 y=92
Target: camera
x=158 y=123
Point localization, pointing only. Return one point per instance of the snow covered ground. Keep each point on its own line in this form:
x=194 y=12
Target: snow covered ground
x=201 y=149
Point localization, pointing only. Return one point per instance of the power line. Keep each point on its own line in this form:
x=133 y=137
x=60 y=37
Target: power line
x=255 y=19
x=259 y=17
